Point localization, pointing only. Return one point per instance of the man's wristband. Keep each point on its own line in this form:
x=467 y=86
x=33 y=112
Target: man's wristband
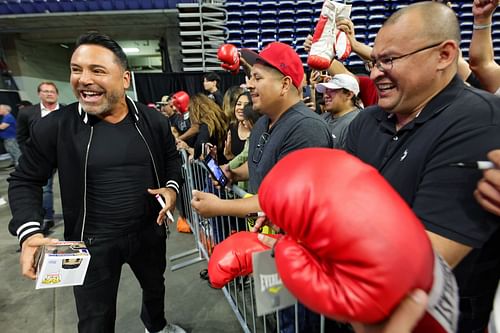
x=481 y=26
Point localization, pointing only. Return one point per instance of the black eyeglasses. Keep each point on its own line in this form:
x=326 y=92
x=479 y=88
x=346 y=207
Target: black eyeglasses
x=257 y=155
x=385 y=64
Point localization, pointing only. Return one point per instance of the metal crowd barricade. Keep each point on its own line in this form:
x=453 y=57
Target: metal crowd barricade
x=208 y=232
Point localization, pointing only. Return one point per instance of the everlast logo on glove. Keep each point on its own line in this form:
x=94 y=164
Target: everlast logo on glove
x=442 y=309
x=270 y=293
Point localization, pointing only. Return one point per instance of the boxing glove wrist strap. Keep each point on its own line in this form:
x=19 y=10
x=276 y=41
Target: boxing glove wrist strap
x=443 y=297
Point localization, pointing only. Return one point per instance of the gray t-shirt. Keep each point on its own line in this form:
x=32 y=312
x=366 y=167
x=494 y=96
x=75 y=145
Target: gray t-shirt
x=339 y=126
x=297 y=128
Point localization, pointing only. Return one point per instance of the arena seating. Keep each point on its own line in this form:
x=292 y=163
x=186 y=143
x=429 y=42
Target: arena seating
x=10 y=7
x=291 y=21
x=253 y=24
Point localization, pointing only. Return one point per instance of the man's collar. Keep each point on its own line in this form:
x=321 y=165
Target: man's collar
x=43 y=107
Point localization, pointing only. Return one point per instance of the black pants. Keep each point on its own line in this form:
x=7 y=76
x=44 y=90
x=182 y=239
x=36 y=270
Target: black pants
x=145 y=252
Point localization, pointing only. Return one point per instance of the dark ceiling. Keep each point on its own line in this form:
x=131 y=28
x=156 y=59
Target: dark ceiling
x=64 y=27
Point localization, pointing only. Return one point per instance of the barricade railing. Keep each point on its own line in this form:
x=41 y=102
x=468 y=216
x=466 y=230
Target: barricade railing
x=208 y=232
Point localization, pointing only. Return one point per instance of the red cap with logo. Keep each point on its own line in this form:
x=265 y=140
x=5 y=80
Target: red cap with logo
x=281 y=57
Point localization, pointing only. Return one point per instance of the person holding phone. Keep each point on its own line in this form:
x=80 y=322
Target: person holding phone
x=213 y=127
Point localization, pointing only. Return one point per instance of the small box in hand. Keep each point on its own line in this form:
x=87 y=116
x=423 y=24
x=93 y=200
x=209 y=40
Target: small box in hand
x=62 y=264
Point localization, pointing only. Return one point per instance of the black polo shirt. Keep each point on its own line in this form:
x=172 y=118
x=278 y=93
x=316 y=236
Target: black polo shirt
x=297 y=128
x=459 y=124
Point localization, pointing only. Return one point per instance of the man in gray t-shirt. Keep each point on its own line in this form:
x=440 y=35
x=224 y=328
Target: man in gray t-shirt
x=341 y=104
x=286 y=125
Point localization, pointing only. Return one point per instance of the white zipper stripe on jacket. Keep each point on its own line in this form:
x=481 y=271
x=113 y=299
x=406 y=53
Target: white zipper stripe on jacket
x=150 y=155
x=85 y=182
x=136 y=114
x=85 y=120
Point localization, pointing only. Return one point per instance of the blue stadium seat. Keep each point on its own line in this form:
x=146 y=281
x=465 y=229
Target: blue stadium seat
x=40 y=6
x=266 y=24
x=15 y=7
x=251 y=15
x=250 y=24
x=268 y=5
x=235 y=42
x=252 y=44
x=268 y=14
x=160 y=4
x=304 y=12
x=287 y=4
x=286 y=14
x=359 y=19
x=251 y=6
x=234 y=25
x=232 y=6
x=4 y=8
x=358 y=9
x=106 y=5
x=303 y=21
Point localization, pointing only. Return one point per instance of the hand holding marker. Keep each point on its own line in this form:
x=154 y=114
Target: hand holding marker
x=479 y=165
x=162 y=203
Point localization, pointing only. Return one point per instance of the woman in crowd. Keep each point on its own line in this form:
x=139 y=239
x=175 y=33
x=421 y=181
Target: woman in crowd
x=238 y=133
x=213 y=127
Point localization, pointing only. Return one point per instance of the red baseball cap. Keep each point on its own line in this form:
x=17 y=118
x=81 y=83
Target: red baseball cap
x=281 y=57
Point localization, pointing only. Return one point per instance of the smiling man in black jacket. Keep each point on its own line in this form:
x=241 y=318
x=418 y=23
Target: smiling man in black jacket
x=113 y=157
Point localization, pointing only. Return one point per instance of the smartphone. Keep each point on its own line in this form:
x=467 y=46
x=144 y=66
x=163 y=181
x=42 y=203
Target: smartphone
x=207 y=149
x=215 y=170
x=306 y=92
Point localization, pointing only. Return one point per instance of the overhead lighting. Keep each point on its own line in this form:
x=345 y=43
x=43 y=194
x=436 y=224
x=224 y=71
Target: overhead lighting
x=131 y=50
x=64 y=46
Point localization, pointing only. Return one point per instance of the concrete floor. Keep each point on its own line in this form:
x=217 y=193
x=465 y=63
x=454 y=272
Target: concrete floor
x=190 y=302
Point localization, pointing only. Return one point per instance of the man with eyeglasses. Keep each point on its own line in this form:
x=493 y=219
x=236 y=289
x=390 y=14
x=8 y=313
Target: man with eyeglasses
x=48 y=94
x=426 y=120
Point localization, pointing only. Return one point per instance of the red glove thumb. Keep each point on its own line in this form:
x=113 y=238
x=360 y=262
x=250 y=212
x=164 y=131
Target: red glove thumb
x=233 y=257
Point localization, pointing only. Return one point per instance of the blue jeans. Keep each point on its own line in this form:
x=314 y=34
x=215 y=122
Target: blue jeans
x=48 y=200
x=12 y=148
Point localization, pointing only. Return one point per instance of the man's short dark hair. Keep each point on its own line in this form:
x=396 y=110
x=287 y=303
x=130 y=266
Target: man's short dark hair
x=46 y=83
x=96 y=38
x=212 y=77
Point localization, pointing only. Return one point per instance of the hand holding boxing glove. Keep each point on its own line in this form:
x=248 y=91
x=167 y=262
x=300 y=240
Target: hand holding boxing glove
x=233 y=257
x=180 y=101
x=228 y=54
x=350 y=238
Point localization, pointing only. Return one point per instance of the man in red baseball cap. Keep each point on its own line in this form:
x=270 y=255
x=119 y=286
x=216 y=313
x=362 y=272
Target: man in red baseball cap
x=287 y=124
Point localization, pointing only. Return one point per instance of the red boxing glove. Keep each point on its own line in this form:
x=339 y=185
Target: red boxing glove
x=323 y=43
x=351 y=239
x=327 y=41
x=233 y=257
x=180 y=101
x=228 y=54
x=342 y=46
